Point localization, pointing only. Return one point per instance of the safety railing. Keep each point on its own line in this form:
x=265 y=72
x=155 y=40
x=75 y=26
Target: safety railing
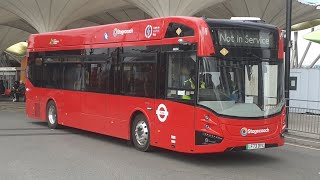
x=304 y=116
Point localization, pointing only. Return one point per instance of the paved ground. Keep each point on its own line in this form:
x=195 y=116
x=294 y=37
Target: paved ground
x=29 y=150
x=8 y=106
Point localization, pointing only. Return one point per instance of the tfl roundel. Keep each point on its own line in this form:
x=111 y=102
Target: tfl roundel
x=162 y=113
x=148 y=31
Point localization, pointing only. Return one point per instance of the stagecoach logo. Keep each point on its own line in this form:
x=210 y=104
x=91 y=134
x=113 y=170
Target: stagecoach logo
x=162 y=113
x=244 y=131
x=53 y=41
x=117 y=32
x=148 y=31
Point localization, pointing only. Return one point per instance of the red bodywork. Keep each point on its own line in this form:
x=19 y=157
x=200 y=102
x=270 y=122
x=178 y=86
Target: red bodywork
x=112 y=114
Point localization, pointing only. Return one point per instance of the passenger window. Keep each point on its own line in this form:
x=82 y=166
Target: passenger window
x=138 y=76
x=97 y=73
x=72 y=77
x=52 y=77
x=95 y=79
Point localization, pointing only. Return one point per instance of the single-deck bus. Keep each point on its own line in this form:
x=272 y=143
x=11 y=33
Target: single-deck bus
x=186 y=84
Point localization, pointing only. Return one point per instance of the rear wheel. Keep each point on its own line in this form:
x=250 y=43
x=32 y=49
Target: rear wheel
x=52 y=115
x=140 y=133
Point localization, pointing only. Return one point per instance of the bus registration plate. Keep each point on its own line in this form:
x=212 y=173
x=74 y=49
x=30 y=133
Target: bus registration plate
x=255 y=146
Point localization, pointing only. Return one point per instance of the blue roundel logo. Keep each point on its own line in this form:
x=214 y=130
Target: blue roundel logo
x=148 y=31
x=244 y=131
x=106 y=36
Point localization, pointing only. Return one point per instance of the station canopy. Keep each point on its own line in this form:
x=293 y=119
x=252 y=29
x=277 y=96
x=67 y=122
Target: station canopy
x=18 y=19
x=19 y=49
x=313 y=36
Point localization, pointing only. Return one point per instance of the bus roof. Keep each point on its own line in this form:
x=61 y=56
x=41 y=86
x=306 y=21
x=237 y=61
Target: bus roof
x=240 y=24
x=142 y=30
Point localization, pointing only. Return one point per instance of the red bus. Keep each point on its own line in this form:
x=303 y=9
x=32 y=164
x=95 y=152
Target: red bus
x=186 y=84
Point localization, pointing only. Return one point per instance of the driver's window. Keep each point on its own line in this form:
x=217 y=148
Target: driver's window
x=181 y=75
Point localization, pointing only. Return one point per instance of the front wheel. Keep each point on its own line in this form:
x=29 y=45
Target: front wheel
x=140 y=133
x=52 y=115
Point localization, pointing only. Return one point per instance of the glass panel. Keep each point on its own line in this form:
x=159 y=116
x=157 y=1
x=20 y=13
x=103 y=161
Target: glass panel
x=240 y=87
x=270 y=81
x=95 y=77
x=178 y=30
x=52 y=77
x=34 y=70
x=181 y=76
x=138 y=79
x=72 y=76
x=251 y=84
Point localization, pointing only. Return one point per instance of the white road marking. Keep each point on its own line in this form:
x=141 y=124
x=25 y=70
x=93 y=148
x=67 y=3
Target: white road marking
x=317 y=142
x=302 y=146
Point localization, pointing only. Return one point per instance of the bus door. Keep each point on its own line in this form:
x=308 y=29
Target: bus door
x=94 y=98
x=137 y=89
x=174 y=122
x=70 y=72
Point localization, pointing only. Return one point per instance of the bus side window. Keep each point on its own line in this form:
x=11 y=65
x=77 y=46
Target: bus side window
x=52 y=73
x=138 y=79
x=35 y=70
x=95 y=77
x=72 y=77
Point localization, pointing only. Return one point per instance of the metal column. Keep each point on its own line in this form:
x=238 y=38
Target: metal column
x=287 y=56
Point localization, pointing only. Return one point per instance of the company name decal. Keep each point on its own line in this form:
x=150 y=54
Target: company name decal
x=54 y=41
x=117 y=31
x=244 y=131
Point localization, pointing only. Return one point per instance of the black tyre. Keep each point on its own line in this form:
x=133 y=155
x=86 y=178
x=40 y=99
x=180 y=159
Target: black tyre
x=140 y=133
x=52 y=115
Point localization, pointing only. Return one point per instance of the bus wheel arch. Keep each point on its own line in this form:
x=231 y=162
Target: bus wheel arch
x=140 y=131
x=52 y=114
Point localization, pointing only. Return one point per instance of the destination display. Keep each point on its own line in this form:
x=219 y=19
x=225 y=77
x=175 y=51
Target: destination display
x=245 y=38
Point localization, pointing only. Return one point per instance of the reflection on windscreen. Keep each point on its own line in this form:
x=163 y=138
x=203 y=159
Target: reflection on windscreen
x=241 y=88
